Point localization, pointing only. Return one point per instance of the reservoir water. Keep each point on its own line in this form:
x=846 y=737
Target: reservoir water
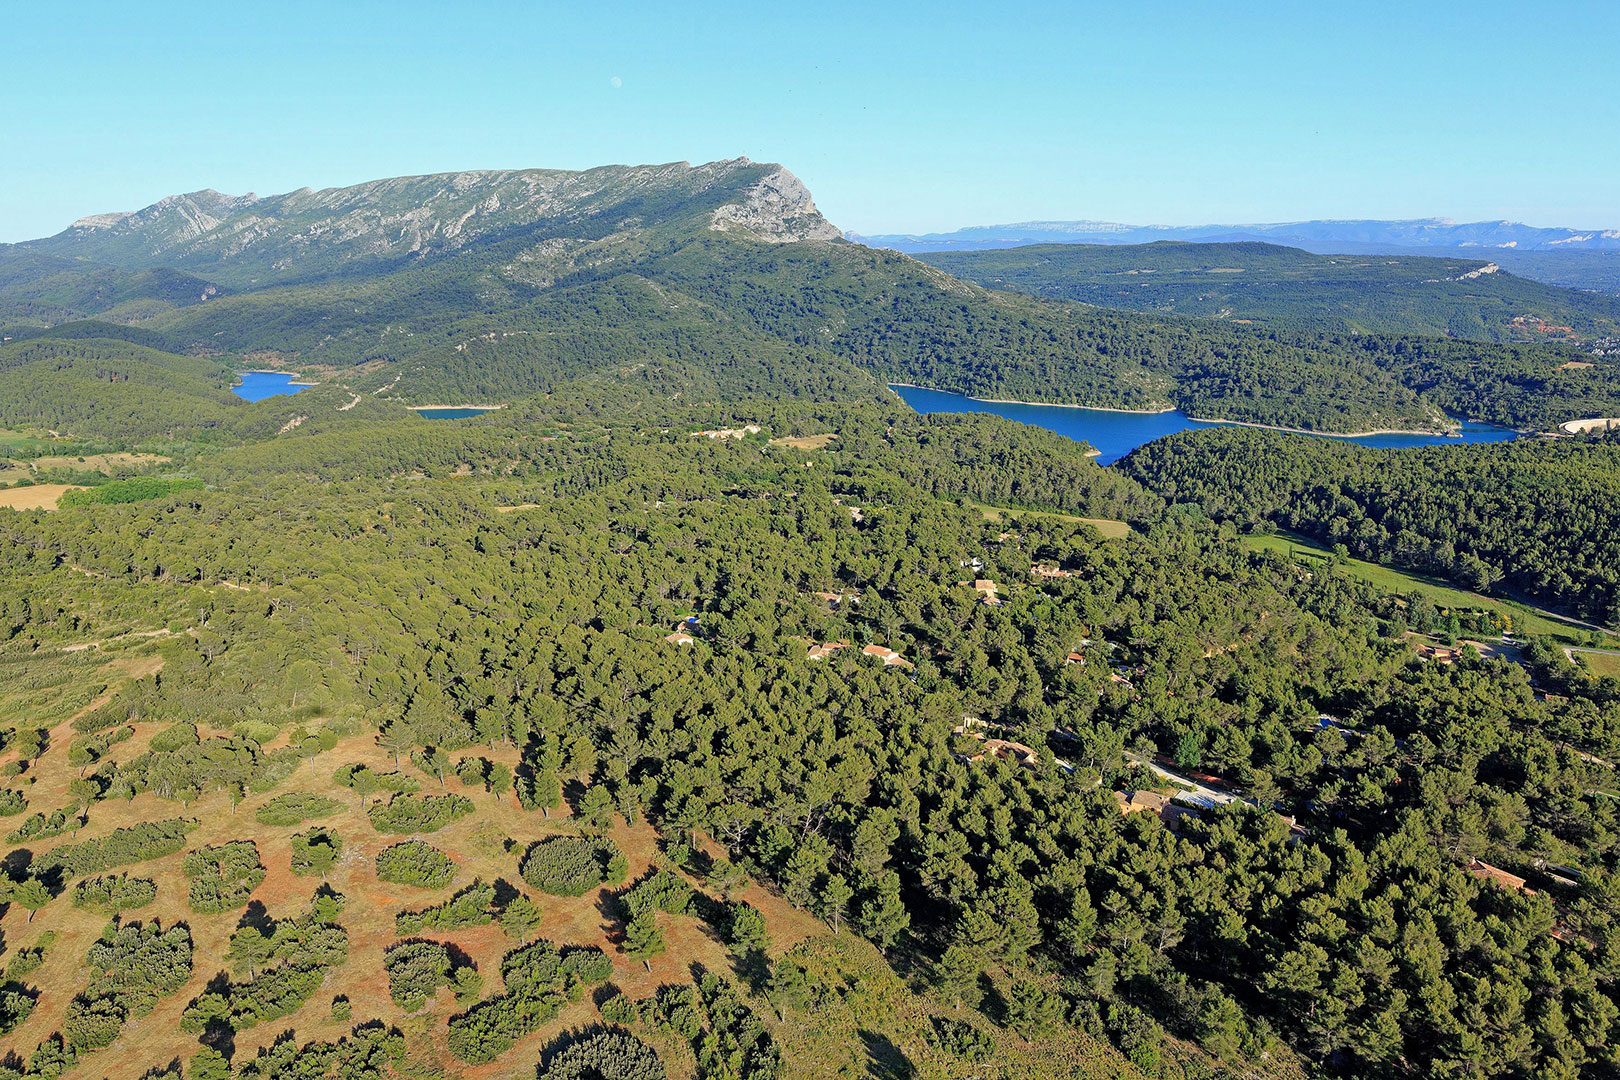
x=1116 y=434
x=258 y=385
x=450 y=414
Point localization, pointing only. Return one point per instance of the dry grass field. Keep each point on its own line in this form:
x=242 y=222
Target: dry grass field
x=34 y=497
x=806 y=442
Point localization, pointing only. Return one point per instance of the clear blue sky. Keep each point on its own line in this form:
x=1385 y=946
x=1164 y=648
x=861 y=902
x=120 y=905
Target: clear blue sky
x=900 y=117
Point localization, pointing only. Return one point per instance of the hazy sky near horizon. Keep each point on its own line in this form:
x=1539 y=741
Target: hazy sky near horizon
x=900 y=117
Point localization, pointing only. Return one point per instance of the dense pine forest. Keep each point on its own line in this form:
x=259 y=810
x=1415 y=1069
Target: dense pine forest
x=1535 y=517
x=704 y=713
x=249 y=692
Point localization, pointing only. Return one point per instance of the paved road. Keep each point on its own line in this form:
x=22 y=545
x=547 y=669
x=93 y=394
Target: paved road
x=1571 y=650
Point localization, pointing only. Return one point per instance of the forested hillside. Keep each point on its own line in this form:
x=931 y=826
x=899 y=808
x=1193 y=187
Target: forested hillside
x=702 y=713
x=490 y=286
x=123 y=394
x=1284 y=287
x=42 y=290
x=1539 y=518
x=400 y=748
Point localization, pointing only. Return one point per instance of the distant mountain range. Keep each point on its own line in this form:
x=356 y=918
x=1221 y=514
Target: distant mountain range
x=1322 y=237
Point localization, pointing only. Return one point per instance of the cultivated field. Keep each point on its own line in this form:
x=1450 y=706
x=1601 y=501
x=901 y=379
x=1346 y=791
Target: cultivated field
x=806 y=442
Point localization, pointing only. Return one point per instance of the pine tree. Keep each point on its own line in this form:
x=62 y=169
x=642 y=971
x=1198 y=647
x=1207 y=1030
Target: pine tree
x=833 y=898
x=643 y=939
x=32 y=894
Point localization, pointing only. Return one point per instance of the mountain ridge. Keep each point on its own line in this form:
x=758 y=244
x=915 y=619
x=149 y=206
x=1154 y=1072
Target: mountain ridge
x=310 y=233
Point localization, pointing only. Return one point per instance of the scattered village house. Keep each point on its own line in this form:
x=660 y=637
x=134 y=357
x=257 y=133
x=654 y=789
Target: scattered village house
x=1442 y=653
x=728 y=433
x=1160 y=805
x=825 y=649
x=887 y=655
x=1499 y=877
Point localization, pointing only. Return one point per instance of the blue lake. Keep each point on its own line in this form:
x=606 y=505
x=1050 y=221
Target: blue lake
x=258 y=385
x=450 y=414
x=1116 y=434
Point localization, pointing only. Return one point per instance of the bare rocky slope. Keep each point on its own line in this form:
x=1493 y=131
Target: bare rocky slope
x=250 y=240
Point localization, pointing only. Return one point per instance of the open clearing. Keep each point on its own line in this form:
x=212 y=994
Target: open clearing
x=36 y=497
x=101 y=463
x=1108 y=527
x=806 y=442
x=1601 y=664
x=1523 y=618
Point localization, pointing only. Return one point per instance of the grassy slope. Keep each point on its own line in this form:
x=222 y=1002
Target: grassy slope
x=1600 y=664
x=1525 y=618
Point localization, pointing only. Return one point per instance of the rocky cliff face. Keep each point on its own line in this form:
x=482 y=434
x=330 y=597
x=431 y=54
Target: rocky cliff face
x=777 y=207
x=308 y=233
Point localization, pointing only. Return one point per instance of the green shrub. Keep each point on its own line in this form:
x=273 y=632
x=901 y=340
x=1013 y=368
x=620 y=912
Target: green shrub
x=661 y=890
x=88 y=748
x=605 y=1054
x=469 y=907
x=295 y=808
x=416 y=970
x=961 y=1039
x=538 y=978
x=131 y=966
x=174 y=737
x=415 y=863
x=26 y=960
x=293 y=957
x=135 y=489
x=40 y=827
x=132 y=843
x=114 y=894
x=16 y=1004
x=222 y=876
x=368 y=1052
x=418 y=813
x=314 y=852
x=619 y=1009
x=364 y=779
x=572 y=865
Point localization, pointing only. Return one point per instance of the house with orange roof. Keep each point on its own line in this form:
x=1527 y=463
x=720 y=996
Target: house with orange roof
x=889 y=657
x=825 y=649
x=1498 y=877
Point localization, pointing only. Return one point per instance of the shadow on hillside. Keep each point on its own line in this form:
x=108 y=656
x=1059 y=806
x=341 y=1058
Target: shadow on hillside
x=884 y=1060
